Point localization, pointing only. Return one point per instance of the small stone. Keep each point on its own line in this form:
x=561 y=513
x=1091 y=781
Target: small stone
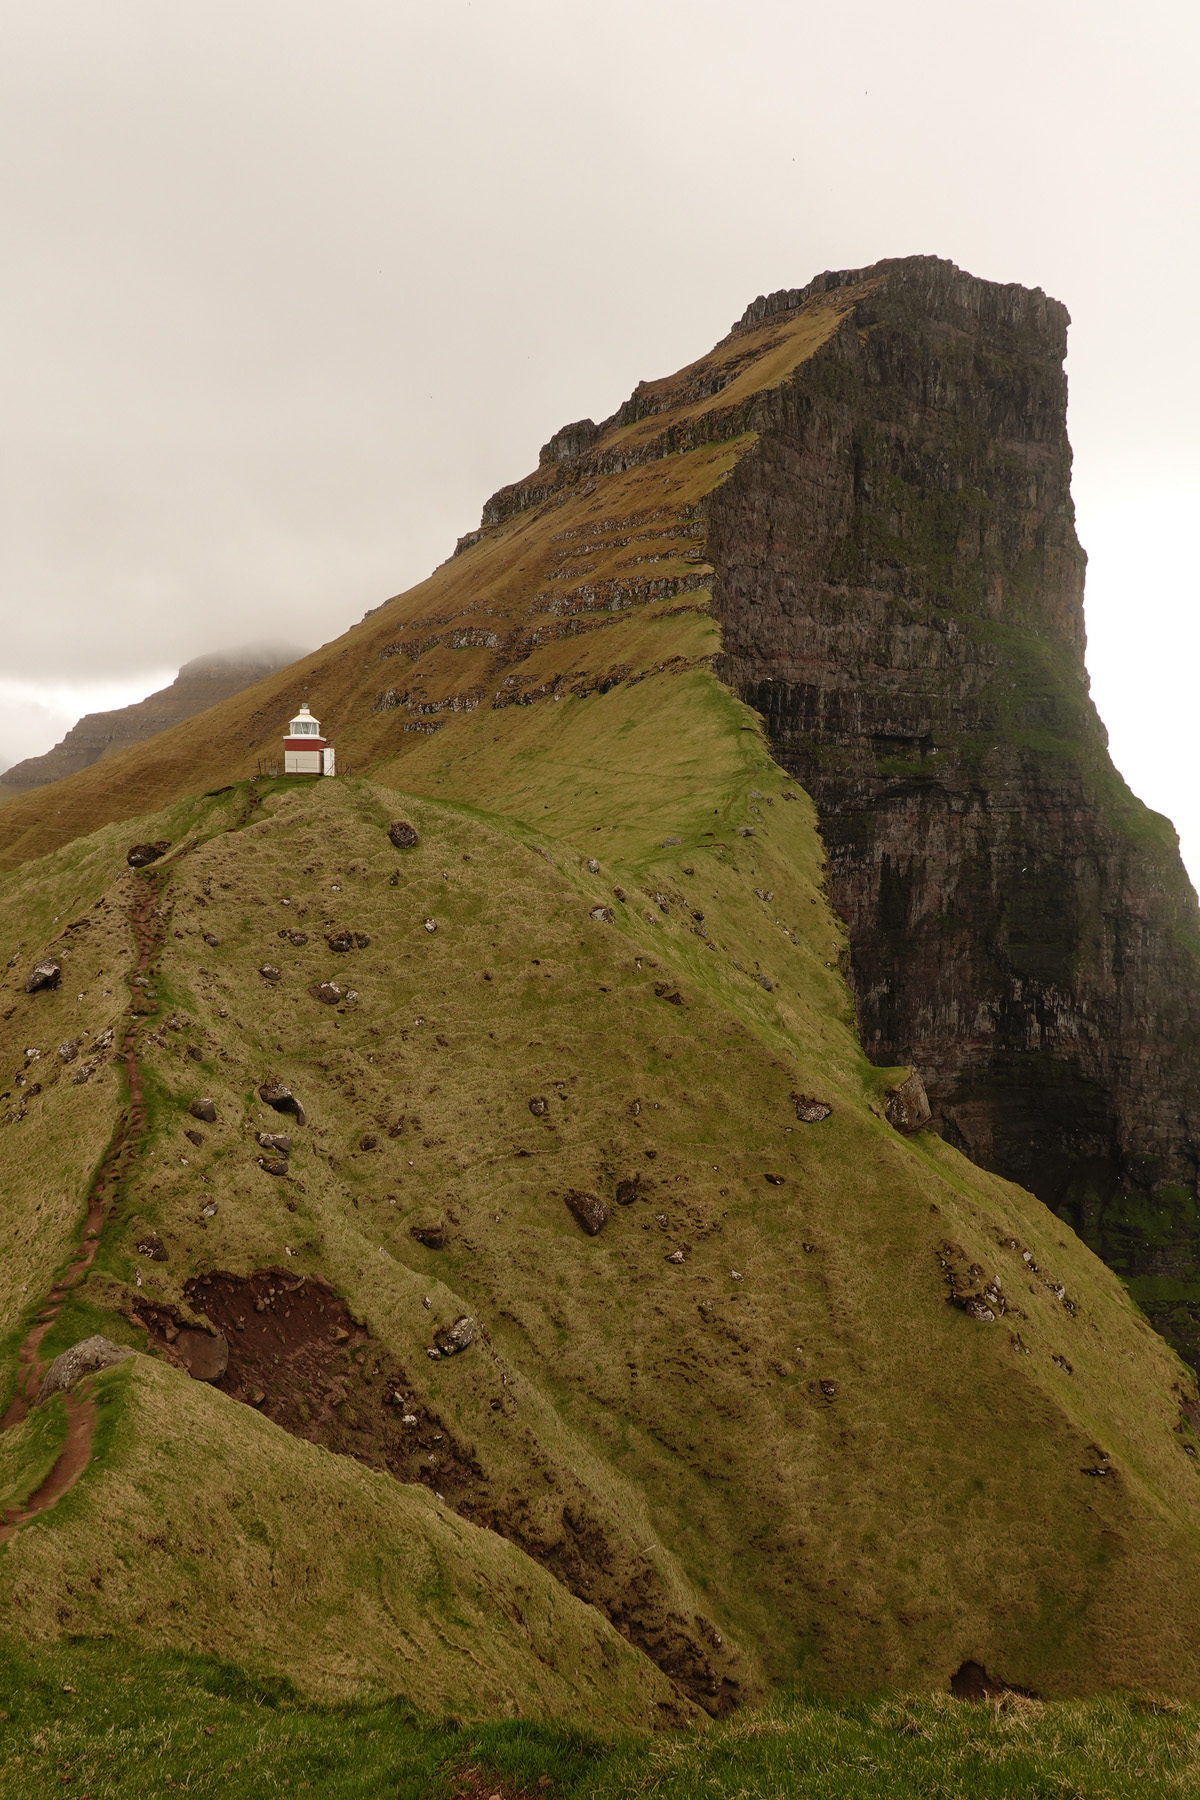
x=431 y=924
x=589 y=1210
x=210 y=1211
x=745 y=831
x=620 y=894
x=775 y=1180
x=402 y=834
x=676 y=1256
x=212 y=942
x=367 y=1141
x=603 y=915
x=153 y=1247
x=273 y=1165
x=328 y=992
x=539 y=1107
x=81 y=1359
x=269 y=972
x=810 y=1111
x=627 y=1191
x=453 y=1338
x=138 y=856
x=280 y=1141
x=204 y=1109
x=976 y=1307
x=195 y=1052
x=194 y=1137
x=764 y=981
x=829 y=1389
x=432 y=1236
x=46 y=974
x=340 y=940
x=593 y=867
x=671 y=842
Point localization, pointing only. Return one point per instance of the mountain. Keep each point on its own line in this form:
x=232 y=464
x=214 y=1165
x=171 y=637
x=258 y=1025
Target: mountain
x=603 y=1341
x=199 y=684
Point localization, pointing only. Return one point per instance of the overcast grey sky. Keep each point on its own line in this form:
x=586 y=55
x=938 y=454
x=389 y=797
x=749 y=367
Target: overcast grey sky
x=292 y=285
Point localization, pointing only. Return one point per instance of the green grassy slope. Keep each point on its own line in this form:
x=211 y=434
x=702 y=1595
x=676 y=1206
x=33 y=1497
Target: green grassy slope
x=742 y=1423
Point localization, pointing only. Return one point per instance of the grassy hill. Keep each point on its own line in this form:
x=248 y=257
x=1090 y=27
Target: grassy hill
x=741 y=1437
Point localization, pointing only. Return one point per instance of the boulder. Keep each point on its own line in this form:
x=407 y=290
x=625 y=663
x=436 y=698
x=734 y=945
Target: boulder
x=908 y=1105
x=139 y=855
x=273 y=1165
x=810 y=1111
x=205 y=1354
x=328 y=992
x=269 y=1140
x=277 y=1094
x=453 y=1338
x=45 y=974
x=269 y=972
x=81 y=1359
x=589 y=1210
x=204 y=1109
x=402 y=834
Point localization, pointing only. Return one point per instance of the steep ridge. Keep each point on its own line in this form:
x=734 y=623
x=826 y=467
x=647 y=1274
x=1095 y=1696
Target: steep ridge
x=816 y=1402
x=201 y=683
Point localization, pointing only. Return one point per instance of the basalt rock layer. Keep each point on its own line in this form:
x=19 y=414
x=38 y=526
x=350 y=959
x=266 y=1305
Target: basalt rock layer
x=900 y=588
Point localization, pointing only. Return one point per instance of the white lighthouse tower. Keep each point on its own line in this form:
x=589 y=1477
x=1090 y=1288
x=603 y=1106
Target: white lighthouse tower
x=305 y=751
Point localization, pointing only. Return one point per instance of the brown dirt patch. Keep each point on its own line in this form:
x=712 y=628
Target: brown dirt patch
x=298 y=1355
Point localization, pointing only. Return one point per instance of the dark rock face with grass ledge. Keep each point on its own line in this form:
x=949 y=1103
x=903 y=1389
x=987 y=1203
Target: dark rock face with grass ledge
x=900 y=587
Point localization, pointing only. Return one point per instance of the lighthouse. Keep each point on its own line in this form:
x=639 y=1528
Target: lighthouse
x=305 y=751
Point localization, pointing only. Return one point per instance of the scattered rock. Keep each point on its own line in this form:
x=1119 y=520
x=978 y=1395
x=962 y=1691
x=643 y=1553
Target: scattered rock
x=277 y=1094
x=270 y=1140
x=81 y=1359
x=195 y=1137
x=810 y=1111
x=589 y=1210
x=273 y=1165
x=68 y=1051
x=975 y=1307
x=347 y=940
x=907 y=1106
x=432 y=1236
x=664 y=993
x=453 y=1338
x=971 y=1681
x=628 y=1191
x=775 y=1180
x=139 y=855
x=593 y=866
x=829 y=1389
x=603 y=915
x=204 y=1109
x=431 y=924
x=367 y=1141
x=153 y=1247
x=205 y=1354
x=269 y=972
x=328 y=992
x=402 y=834
x=43 y=975
x=539 y=1107
x=745 y=831
x=214 y=943
x=676 y=1256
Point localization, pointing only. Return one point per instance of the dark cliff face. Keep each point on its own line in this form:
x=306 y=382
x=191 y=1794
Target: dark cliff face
x=900 y=589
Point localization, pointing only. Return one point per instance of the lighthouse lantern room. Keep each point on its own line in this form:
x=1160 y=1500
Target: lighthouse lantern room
x=305 y=751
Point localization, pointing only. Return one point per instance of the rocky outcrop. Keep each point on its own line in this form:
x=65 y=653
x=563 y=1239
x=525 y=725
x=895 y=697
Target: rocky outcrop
x=199 y=684
x=900 y=588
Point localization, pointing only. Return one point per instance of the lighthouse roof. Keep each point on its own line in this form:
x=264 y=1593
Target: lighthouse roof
x=304 y=724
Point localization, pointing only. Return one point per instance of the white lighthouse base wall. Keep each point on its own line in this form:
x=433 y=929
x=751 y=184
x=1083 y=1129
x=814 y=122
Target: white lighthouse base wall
x=302 y=762
x=327 y=757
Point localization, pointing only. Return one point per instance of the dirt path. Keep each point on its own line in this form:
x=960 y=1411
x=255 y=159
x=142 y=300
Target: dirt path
x=149 y=931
